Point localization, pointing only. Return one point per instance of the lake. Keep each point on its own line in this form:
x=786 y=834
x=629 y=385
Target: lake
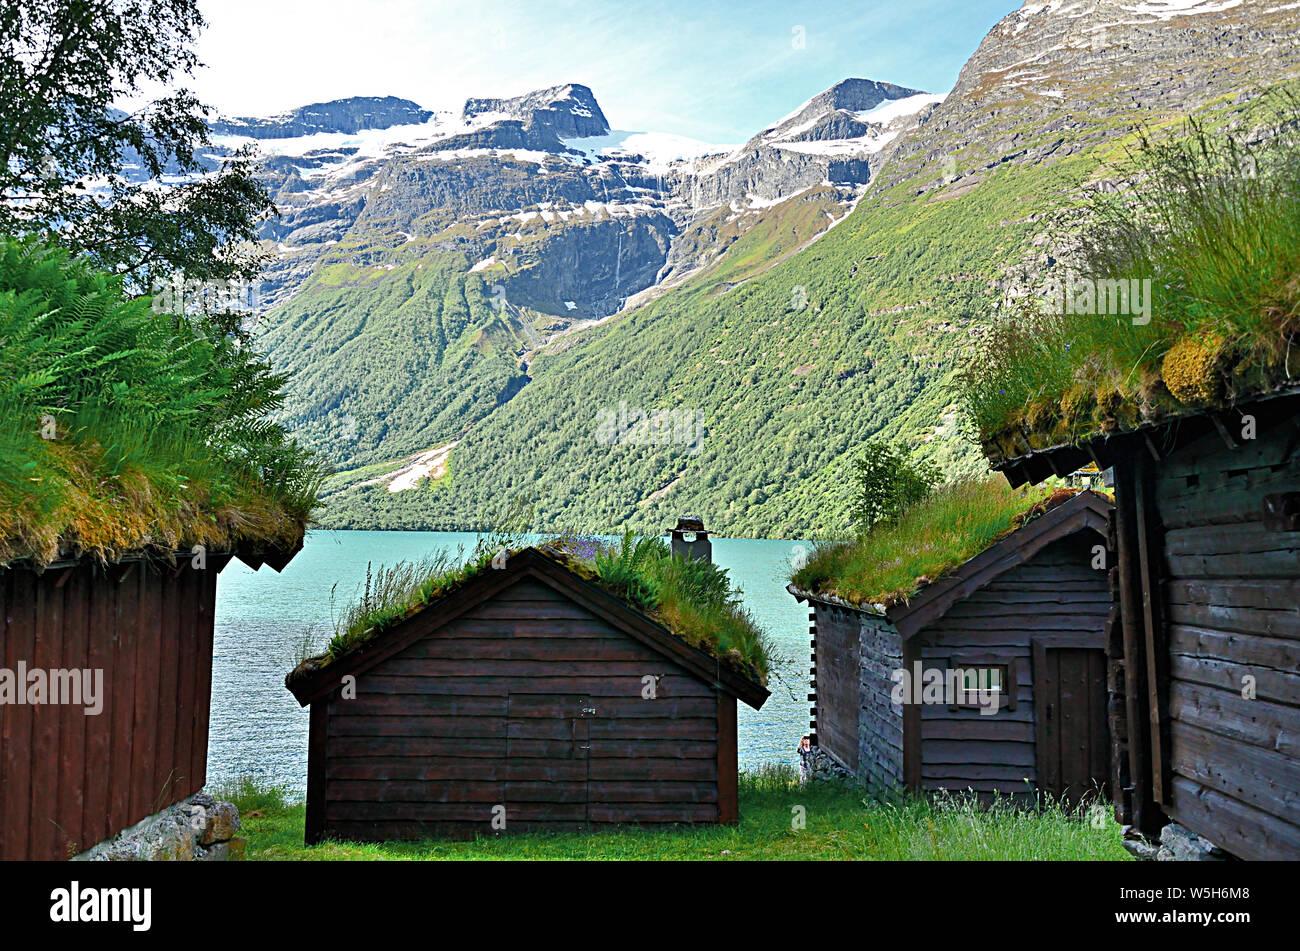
x=263 y=620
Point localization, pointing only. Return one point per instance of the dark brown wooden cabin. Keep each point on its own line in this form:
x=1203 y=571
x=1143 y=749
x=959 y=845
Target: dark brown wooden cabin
x=1205 y=641
x=523 y=696
x=1027 y=614
x=68 y=780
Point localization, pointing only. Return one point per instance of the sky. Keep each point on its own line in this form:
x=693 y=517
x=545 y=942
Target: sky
x=716 y=71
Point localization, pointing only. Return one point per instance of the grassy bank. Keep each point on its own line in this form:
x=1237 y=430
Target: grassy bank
x=840 y=823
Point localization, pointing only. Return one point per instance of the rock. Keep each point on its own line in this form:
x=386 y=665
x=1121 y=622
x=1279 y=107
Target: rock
x=223 y=823
x=1137 y=845
x=178 y=833
x=1180 y=844
x=231 y=851
x=570 y=111
x=341 y=115
x=820 y=767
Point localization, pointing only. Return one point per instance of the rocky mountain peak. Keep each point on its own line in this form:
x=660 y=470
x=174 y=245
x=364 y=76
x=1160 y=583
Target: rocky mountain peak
x=349 y=116
x=569 y=111
x=1030 y=92
x=849 y=95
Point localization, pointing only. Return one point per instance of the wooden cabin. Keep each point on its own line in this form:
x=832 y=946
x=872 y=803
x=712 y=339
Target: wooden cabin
x=1024 y=621
x=125 y=742
x=530 y=698
x=1205 y=643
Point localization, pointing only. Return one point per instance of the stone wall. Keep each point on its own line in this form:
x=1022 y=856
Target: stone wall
x=880 y=721
x=198 y=829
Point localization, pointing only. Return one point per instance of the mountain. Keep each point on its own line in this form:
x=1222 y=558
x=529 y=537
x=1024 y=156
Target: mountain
x=421 y=266
x=565 y=111
x=340 y=115
x=794 y=317
x=837 y=138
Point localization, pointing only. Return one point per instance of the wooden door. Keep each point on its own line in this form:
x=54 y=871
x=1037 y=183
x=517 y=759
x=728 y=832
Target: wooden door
x=1073 y=739
x=547 y=751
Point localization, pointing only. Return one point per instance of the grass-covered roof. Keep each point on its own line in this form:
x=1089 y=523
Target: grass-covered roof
x=1205 y=227
x=693 y=600
x=124 y=429
x=893 y=560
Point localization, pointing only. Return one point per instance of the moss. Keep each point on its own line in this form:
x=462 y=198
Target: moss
x=1109 y=405
x=1077 y=404
x=1041 y=419
x=1042 y=415
x=1192 y=369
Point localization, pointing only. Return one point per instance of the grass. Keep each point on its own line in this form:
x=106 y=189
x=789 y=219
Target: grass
x=692 y=599
x=890 y=561
x=1211 y=217
x=841 y=822
x=123 y=428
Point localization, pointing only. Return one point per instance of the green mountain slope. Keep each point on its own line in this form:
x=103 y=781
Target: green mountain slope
x=398 y=356
x=790 y=371
x=791 y=358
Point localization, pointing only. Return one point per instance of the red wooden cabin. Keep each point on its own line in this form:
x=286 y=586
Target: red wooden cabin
x=69 y=780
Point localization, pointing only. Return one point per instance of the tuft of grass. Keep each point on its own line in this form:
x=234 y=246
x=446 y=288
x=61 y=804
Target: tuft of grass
x=255 y=798
x=393 y=593
x=693 y=599
x=840 y=822
x=1211 y=217
x=890 y=561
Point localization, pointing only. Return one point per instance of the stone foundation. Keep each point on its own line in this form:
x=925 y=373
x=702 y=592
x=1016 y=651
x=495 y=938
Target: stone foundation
x=198 y=829
x=820 y=766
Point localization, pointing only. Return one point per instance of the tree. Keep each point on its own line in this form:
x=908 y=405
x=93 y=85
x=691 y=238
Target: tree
x=889 y=481
x=64 y=65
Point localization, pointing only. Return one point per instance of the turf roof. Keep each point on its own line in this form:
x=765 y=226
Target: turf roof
x=692 y=602
x=893 y=561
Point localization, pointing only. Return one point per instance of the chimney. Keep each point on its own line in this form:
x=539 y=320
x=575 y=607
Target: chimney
x=690 y=540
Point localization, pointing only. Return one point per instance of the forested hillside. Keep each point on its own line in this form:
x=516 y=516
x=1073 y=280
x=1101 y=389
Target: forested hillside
x=793 y=357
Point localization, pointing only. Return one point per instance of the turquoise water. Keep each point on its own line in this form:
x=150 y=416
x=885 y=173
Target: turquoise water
x=263 y=619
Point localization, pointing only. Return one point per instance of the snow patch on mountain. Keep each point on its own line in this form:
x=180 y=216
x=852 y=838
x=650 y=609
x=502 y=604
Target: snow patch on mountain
x=892 y=109
x=1168 y=9
x=658 y=149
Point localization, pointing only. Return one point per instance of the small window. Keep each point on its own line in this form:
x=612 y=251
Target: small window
x=985 y=678
x=980 y=682
x=978 y=679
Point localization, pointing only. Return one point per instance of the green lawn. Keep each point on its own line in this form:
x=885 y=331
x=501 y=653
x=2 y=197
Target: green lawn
x=840 y=823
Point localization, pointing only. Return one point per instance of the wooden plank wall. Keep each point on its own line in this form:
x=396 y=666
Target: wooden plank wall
x=68 y=780
x=1057 y=594
x=837 y=682
x=1232 y=609
x=481 y=713
x=880 y=720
